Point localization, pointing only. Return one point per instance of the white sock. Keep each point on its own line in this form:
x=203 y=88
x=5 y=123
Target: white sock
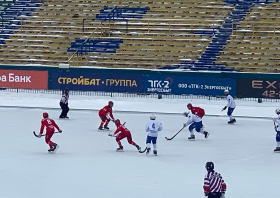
x=155 y=146
x=278 y=144
x=191 y=132
x=148 y=145
x=201 y=130
x=231 y=117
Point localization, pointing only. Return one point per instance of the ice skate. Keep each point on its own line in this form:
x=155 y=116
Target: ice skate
x=148 y=151
x=231 y=121
x=206 y=134
x=106 y=128
x=120 y=149
x=54 y=148
x=192 y=137
x=138 y=147
x=100 y=128
x=155 y=152
x=277 y=149
x=61 y=117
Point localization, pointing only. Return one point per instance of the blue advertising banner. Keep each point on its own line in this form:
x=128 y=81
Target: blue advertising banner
x=189 y=85
x=107 y=82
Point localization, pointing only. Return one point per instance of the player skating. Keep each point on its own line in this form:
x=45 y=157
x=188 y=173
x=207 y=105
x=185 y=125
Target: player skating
x=152 y=127
x=196 y=110
x=106 y=116
x=195 y=122
x=50 y=126
x=231 y=106
x=214 y=185
x=64 y=104
x=121 y=133
x=277 y=129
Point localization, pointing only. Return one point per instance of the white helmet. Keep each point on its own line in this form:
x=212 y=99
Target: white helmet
x=153 y=117
x=277 y=111
x=226 y=91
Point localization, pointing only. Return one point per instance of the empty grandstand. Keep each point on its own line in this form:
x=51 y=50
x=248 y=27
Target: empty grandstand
x=186 y=34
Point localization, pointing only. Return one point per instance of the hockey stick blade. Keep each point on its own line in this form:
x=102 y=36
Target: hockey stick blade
x=174 y=135
x=42 y=135
x=143 y=150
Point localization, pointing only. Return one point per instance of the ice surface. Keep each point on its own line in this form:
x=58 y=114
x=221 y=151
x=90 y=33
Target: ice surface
x=87 y=165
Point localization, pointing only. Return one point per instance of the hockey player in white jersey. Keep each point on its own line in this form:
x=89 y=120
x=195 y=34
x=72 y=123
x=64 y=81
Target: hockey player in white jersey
x=231 y=106
x=195 y=122
x=152 y=127
x=277 y=129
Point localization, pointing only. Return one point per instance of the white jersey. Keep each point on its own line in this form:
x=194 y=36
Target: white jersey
x=193 y=118
x=230 y=101
x=277 y=123
x=153 y=127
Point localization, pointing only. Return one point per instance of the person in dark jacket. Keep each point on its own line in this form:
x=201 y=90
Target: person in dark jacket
x=64 y=104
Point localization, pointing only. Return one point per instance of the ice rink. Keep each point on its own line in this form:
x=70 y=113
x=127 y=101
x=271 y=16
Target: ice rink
x=87 y=165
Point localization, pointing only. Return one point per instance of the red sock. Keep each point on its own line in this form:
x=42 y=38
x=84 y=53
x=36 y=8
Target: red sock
x=119 y=143
x=134 y=144
x=50 y=143
x=101 y=124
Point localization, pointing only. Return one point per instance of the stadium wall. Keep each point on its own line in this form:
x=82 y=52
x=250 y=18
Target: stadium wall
x=241 y=85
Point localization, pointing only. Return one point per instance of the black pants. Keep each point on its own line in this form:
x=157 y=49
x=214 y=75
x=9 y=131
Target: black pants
x=215 y=195
x=65 y=110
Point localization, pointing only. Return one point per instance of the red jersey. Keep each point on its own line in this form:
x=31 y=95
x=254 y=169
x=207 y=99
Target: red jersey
x=49 y=124
x=213 y=182
x=105 y=111
x=121 y=130
x=198 y=111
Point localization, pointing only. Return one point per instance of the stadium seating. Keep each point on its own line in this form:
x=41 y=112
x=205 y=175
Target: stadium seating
x=189 y=34
x=164 y=33
x=254 y=46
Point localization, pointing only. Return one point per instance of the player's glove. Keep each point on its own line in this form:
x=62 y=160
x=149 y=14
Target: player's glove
x=39 y=135
x=224 y=108
x=60 y=131
x=184 y=125
x=223 y=195
x=113 y=120
x=206 y=194
x=111 y=134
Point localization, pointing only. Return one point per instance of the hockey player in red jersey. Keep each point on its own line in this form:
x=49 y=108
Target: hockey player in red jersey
x=196 y=110
x=121 y=133
x=106 y=115
x=50 y=126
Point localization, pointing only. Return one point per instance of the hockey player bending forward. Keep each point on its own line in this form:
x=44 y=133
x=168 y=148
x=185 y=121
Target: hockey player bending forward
x=50 y=126
x=152 y=127
x=195 y=122
x=196 y=110
x=231 y=106
x=121 y=133
x=277 y=129
x=106 y=116
x=214 y=185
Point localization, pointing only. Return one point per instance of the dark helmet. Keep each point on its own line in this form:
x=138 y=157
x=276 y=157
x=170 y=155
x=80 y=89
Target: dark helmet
x=117 y=122
x=66 y=91
x=45 y=115
x=209 y=166
x=110 y=103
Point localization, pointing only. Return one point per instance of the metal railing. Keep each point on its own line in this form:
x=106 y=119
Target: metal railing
x=130 y=95
x=99 y=26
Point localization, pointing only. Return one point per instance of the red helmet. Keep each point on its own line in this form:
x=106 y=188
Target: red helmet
x=117 y=122
x=110 y=103
x=189 y=105
x=45 y=115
